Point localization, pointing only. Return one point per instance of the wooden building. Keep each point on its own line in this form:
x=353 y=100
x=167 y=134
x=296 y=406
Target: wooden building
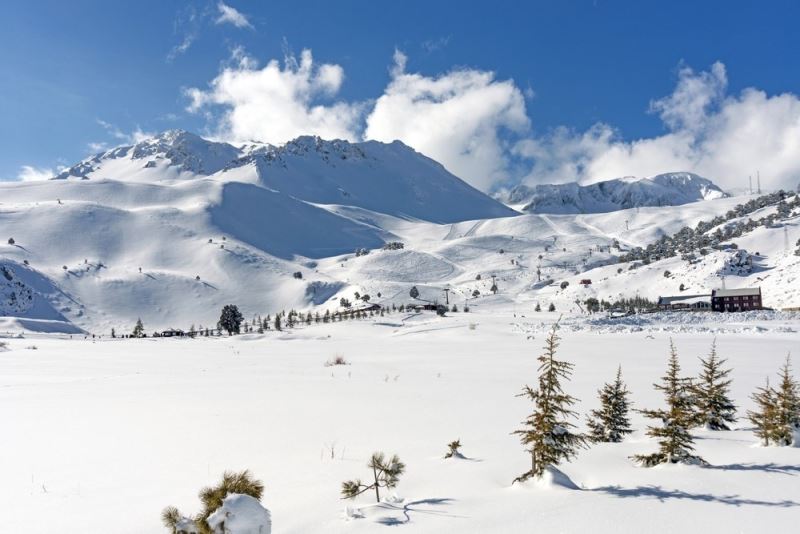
x=733 y=300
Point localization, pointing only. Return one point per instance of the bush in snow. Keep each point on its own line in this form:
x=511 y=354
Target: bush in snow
x=453 y=449
x=385 y=474
x=610 y=423
x=11 y=241
x=393 y=245
x=240 y=514
x=413 y=292
x=713 y=405
x=213 y=498
x=564 y=285
x=777 y=417
x=337 y=360
x=675 y=443
x=547 y=434
x=230 y=319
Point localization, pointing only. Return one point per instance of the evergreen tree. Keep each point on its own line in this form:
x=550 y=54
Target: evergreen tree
x=610 y=423
x=711 y=392
x=765 y=417
x=675 y=443
x=414 y=292
x=547 y=433
x=552 y=307
x=278 y=322
x=385 y=474
x=788 y=406
x=230 y=319
x=537 y=308
x=138 y=330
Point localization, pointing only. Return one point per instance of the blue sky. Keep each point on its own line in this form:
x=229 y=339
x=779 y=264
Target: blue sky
x=572 y=90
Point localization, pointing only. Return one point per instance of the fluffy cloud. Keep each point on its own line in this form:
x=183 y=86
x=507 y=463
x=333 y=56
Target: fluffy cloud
x=720 y=136
x=277 y=103
x=478 y=127
x=27 y=173
x=456 y=118
x=230 y=15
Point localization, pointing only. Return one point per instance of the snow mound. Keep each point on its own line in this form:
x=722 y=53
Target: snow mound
x=672 y=189
x=240 y=514
x=554 y=478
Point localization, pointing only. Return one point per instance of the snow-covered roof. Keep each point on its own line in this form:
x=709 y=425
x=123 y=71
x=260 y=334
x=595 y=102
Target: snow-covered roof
x=742 y=292
x=684 y=299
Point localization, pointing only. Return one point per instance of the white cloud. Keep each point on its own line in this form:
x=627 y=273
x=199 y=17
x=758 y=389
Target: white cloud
x=277 y=103
x=478 y=127
x=455 y=118
x=722 y=137
x=136 y=136
x=95 y=147
x=28 y=173
x=230 y=15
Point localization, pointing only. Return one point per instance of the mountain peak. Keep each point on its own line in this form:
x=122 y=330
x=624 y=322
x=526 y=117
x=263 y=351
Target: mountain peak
x=668 y=189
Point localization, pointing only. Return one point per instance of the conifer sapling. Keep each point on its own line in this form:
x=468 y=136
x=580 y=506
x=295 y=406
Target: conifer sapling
x=453 y=449
x=675 y=443
x=385 y=474
x=711 y=392
x=548 y=434
x=610 y=423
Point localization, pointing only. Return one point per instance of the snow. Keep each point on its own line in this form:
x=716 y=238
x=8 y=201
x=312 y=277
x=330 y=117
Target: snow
x=240 y=514
x=126 y=427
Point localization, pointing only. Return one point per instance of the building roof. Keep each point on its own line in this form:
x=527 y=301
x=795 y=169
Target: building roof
x=683 y=298
x=742 y=292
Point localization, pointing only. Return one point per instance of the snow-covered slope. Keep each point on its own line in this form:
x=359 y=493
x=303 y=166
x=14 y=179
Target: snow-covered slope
x=671 y=189
x=273 y=229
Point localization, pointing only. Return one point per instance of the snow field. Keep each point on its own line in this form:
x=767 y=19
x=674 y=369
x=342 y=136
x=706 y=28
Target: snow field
x=123 y=428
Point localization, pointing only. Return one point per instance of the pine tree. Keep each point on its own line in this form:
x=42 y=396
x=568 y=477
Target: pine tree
x=711 y=392
x=675 y=443
x=385 y=474
x=278 y=322
x=230 y=319
x=547 y=433
x=552 y=307
x=138 y=330
x=610 y=423
x=765 y=417
x=788 y=405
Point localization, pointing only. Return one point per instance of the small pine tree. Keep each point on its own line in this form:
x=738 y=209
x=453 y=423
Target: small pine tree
x=610 y=423
x=537 y=308
x=453 y=449
x=414 y=292
x=547 y=434
x=711 y=392
x=212 y=498
x=385 y=473
x=278 y=322
x=138 y=329
x=675 y=442
x=552 y=307
x=788 y=405
x=765 y=417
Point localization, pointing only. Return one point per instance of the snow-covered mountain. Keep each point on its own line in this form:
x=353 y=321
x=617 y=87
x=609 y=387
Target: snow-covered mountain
x=175 y=227
x=671 y=189
x=388 y=178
